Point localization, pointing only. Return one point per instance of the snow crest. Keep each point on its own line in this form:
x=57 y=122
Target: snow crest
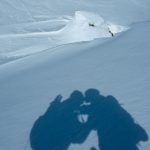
x=83 y=26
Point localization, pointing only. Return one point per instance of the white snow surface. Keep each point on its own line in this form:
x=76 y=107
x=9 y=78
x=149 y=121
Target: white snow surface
x=48 y=48
x=77 y=29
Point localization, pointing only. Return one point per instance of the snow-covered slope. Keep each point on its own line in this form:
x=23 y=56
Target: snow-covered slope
x=117 y=66
x=83 y=26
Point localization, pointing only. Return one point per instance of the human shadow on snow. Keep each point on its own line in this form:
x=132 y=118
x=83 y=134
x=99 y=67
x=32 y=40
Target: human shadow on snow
x=60 y=125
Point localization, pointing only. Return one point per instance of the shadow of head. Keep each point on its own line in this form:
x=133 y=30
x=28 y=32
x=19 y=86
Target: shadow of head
x=77 y=97
x=92 y=93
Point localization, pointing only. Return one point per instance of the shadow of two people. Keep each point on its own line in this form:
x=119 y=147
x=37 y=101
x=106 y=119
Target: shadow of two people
x=60 y=125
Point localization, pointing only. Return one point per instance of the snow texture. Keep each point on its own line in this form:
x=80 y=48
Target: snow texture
x=53 y=47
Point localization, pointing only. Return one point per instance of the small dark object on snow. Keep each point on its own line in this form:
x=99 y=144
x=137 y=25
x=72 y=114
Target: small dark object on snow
x=111 y=33
x=91 y=25
x=93 y=148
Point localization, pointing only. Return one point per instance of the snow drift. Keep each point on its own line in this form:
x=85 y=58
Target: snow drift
x=83 y=26
x=86 y=26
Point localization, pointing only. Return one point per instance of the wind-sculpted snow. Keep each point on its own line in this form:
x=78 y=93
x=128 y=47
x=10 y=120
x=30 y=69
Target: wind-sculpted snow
x=84 y=26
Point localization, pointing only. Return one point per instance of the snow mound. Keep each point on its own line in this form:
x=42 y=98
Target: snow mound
x=86 y=26
x=83 y=26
